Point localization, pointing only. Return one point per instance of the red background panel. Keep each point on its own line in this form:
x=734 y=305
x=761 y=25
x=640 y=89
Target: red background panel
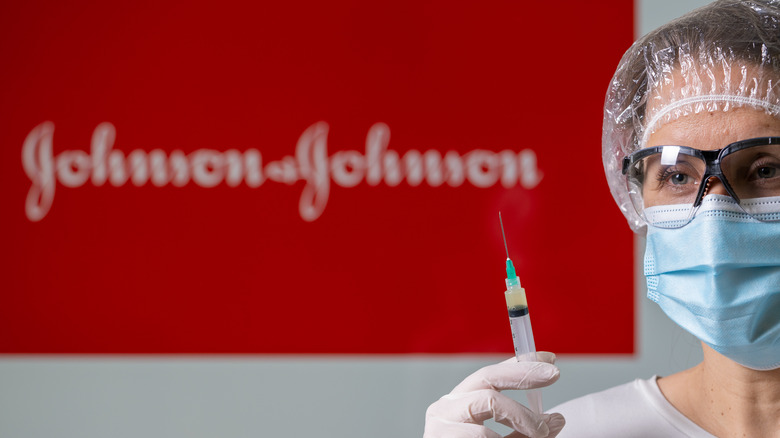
x=407 y=268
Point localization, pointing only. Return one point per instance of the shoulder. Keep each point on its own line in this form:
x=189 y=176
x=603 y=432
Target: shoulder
x=635 y=409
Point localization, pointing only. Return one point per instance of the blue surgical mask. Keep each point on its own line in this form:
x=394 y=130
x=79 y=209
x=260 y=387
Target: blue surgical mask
x=718 y=277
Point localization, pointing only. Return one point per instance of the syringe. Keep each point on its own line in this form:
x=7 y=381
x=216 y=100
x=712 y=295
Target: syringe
x=520 y=322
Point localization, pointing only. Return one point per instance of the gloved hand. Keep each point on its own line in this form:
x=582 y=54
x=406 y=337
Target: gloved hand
x=462 y=412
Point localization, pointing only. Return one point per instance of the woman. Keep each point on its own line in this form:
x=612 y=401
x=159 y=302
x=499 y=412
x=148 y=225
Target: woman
x=691 y=149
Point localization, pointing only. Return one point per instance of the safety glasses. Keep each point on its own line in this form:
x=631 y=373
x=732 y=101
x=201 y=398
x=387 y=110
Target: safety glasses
x=678 y=177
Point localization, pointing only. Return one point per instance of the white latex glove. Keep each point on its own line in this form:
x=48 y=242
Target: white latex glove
x=462 y=412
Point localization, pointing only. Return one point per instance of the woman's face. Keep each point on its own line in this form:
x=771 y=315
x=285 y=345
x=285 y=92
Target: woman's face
x=704 y=131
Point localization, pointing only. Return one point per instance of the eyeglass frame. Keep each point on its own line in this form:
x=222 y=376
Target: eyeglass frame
x=712 y=160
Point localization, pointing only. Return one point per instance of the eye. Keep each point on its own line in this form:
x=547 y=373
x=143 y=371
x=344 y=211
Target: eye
x=679 y=179
x=763 y=168
x=766 y=172
x=675 y=176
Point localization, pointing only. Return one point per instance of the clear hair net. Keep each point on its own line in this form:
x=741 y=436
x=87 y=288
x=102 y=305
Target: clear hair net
x=723 y=56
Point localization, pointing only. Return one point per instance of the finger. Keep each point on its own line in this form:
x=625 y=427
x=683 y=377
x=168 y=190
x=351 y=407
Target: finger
x=510 y=374
x=473 y=407
x=555 y=423
x=440 y=428
x=538 y=356
x=478 y=406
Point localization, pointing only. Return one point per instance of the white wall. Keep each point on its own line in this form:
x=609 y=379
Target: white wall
x=261 y=396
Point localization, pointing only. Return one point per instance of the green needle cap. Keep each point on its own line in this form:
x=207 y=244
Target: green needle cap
x=511 y=276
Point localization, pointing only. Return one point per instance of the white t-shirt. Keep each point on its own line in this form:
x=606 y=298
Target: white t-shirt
x=636 y=409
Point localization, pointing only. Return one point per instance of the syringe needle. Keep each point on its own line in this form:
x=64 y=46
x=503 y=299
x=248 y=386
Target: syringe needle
x=502 y=234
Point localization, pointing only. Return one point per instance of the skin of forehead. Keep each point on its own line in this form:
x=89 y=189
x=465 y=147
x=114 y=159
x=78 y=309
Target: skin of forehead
x=715 y=130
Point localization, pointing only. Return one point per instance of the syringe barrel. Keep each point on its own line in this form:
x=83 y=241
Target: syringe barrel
x=517 y=306
x=525 y=350
x=522 y=335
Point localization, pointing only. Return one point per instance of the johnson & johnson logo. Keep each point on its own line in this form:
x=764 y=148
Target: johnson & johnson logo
x=311 y=163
